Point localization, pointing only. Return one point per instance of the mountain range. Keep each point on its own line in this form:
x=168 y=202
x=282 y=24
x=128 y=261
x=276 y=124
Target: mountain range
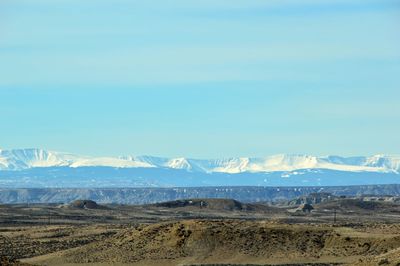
x=42 y=168
x=21 y=159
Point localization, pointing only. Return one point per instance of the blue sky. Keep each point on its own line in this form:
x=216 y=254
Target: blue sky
x=201 y=78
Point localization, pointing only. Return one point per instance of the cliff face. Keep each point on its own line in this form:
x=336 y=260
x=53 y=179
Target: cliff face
x=153 y=195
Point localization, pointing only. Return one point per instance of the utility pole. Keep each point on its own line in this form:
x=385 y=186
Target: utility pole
x=334 y=215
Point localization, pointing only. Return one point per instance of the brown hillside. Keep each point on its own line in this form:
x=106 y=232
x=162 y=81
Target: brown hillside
x=360 y=205
x=85 y=204
x=216 y=205
x=229 y=242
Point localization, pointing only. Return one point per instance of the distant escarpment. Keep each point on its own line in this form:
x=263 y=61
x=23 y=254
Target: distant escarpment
x=154 y=195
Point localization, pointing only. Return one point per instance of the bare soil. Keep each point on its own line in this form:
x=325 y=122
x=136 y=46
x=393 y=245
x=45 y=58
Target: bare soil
x=205 y=232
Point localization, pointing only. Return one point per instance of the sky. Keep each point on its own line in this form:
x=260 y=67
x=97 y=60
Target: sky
x=201 y=79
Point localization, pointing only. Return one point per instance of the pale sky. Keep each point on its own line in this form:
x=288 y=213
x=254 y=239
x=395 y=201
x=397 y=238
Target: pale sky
x=202 y=79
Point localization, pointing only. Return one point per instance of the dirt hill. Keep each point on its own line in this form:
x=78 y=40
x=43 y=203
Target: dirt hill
x=359 y=205
x=216 y=205
x=391 y=258
x=312 y=198
x=6 y=261
x=228 y=241
x=85 y=204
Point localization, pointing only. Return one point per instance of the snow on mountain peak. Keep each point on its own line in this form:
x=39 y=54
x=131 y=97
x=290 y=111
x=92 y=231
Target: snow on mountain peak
x=180 y=163
x=20 y=159
x=27 y=158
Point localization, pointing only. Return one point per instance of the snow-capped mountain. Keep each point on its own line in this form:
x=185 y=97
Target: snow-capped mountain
x=22 y=159
x=29 y=158
x=36 y=168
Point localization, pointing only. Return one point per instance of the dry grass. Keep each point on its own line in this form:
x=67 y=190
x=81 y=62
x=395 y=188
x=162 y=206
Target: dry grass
x=190 y=232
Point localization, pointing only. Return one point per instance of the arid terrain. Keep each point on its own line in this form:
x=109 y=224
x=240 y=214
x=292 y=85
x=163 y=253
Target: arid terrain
x=318 y=229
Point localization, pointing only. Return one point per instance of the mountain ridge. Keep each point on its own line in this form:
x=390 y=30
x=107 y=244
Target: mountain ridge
x=22 y=159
